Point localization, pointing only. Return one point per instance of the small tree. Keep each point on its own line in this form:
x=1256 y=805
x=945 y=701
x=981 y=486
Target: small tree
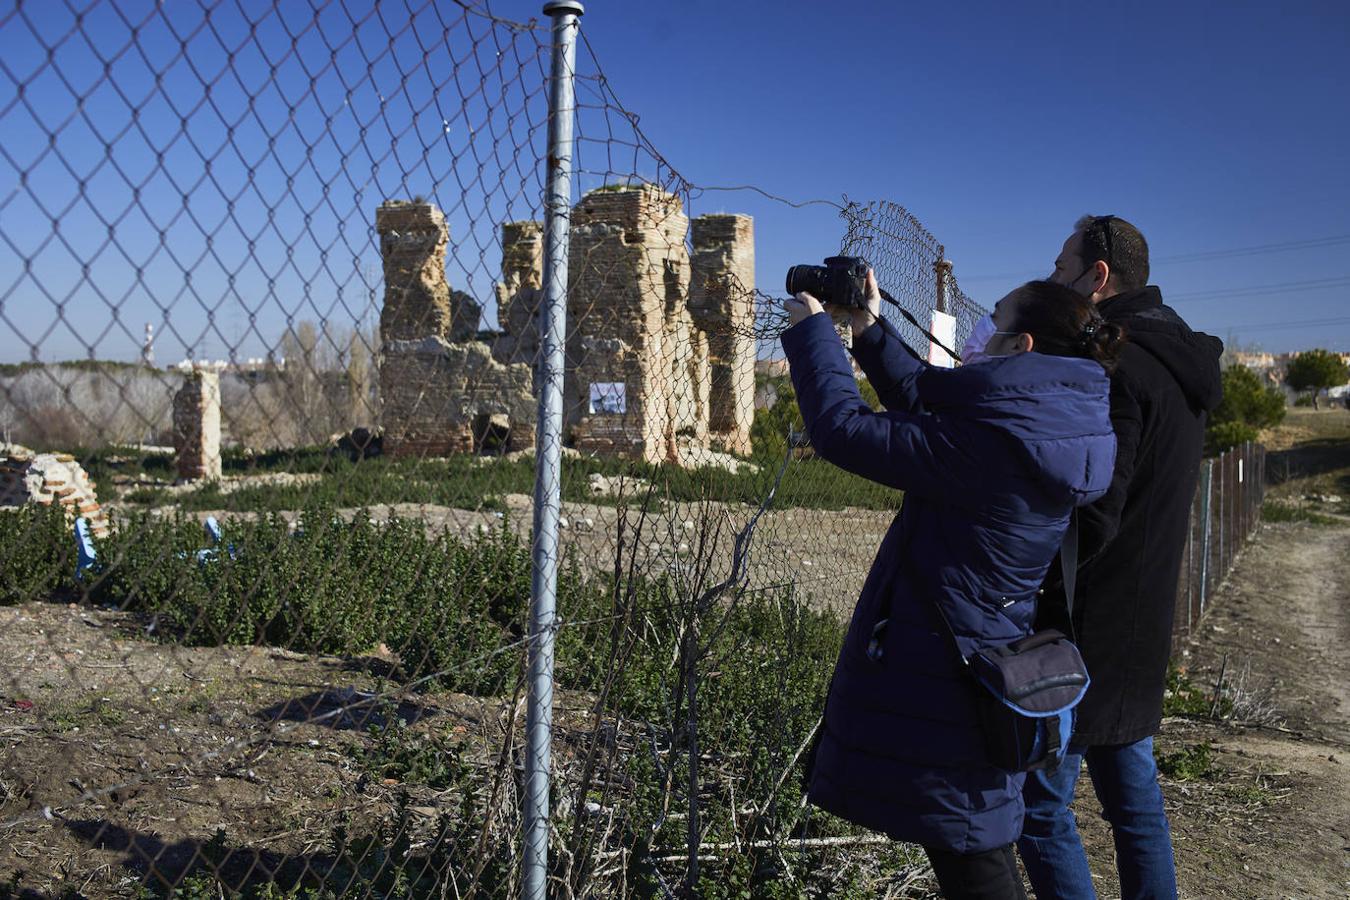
x=1315 y=371
x=769 y=430
x=1247 y=407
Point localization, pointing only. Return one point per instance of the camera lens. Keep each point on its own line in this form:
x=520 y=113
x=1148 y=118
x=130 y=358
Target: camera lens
x=806 y=278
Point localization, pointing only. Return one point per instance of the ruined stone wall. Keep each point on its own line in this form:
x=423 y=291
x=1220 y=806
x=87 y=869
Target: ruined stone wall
x=721 y=301
x=443 y=392
x=454 y=398
x=47 y=478
x=196 y=426
x=629 y=327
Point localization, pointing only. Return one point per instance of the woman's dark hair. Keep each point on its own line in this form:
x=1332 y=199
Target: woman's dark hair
x=1062 y=322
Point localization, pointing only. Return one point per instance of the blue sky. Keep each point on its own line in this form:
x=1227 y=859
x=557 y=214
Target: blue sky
x=1221 y=130
x=1213 y=127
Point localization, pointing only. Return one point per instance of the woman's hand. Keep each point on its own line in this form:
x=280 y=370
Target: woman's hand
x=801 y=307
x=863 y=318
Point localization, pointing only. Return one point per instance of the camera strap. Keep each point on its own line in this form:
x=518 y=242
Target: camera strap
x=923 y=331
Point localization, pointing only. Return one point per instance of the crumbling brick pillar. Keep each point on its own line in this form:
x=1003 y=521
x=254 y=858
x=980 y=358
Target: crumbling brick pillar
x=632 y=358
x=196 y=426
x=520 y=292
x=50 y=478
x=416 y=297
x=722 y=302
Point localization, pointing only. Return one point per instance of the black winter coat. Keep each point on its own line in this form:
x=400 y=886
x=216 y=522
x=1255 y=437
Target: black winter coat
x=1132 y=540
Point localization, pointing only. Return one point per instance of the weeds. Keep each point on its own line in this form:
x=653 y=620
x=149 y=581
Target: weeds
x=453 y=610
x=1194 y=762
x=398 y=753
x=1183 y=697
x=1284 y=511
x=475 y=482
x=1247 y=702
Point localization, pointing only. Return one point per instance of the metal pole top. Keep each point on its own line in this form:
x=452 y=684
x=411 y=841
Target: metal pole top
x=563 y=7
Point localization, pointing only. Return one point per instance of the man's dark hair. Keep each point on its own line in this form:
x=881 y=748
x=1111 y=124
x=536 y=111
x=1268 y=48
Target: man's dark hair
x=1120 y=245
x=1063 y=322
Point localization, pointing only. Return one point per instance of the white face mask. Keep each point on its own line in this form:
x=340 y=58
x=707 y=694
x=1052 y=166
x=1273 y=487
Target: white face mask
x=972 y=351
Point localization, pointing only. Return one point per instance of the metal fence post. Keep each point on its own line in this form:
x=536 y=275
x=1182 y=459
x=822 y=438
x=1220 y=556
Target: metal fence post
x=943 y=270
x=548 y=447
x=1226 y=514
x=1206 y=483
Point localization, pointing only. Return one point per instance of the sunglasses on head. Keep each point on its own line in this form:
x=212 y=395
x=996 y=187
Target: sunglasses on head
x=1104 y=222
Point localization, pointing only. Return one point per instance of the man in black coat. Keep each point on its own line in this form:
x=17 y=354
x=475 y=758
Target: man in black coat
x=1130 y=548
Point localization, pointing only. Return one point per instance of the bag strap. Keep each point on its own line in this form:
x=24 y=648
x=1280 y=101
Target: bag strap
x=1068 y=560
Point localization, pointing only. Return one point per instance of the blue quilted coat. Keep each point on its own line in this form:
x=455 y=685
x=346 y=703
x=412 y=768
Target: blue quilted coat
x=992 y=459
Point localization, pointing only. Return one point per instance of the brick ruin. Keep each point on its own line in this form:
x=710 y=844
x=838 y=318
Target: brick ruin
x=48 y=478
x=443 y=391
x=721 y=300
x=196 y=426
x=659 y=352
x=637 y=368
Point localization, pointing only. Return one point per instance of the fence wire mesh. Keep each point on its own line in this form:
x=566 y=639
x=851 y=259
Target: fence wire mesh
x=284 y=653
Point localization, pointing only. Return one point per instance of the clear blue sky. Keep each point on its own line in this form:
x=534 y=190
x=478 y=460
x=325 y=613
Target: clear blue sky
x=1215 y=128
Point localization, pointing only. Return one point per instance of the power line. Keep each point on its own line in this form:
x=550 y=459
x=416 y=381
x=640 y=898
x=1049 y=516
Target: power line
x=1257 y=289
x=1277 y=326
x=1259 y=249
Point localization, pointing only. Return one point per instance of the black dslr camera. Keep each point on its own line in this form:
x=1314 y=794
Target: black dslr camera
x=841 y=281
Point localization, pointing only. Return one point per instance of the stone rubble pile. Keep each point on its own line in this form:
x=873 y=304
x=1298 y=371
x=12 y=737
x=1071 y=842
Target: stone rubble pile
x=49 y=478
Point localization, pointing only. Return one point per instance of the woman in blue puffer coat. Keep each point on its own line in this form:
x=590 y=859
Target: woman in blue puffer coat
x=992 y=458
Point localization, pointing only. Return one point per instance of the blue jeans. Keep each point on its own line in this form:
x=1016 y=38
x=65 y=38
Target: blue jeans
x=1126 y=781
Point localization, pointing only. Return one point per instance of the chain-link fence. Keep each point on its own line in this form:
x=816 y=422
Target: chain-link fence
x=1224 y=514
x=272 y=277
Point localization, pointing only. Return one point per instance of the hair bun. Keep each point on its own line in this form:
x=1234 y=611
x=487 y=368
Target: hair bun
x=1107 y=338
x=1089 y=331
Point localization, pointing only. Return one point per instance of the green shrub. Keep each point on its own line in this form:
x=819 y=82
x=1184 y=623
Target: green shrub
x=1247 y=406
x=1223 y=436
x=1183 y=697
x=396 y=751
x=1194 y=762
x=465 y=632
x=455 y=610
x=146 y=496
x=37 y=553
x=769 y=428
x=762 y=678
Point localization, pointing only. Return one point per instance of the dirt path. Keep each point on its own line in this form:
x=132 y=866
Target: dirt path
x=1265 y=812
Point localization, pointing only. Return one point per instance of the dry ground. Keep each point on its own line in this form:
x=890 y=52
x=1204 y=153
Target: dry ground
x=1271 y=816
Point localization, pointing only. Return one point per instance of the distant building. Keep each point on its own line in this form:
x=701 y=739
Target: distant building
x=1254 y=360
